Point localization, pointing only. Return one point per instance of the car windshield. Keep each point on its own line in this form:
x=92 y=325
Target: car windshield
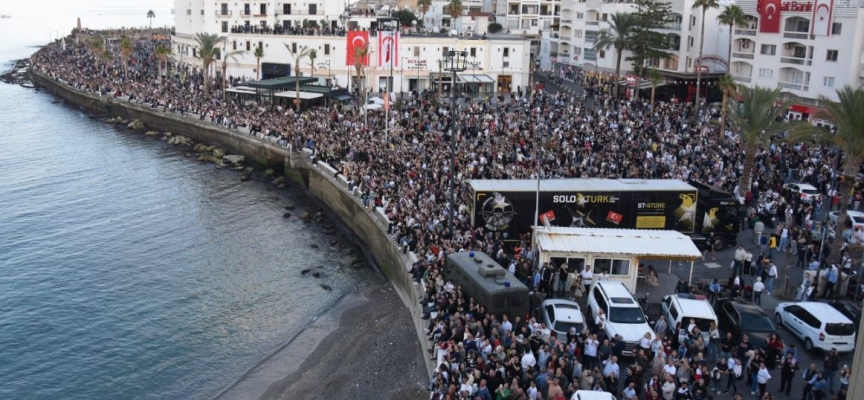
x=858 y=220
x=840 y=329
x=757 y=323
x=564 y=326
x=628 y=315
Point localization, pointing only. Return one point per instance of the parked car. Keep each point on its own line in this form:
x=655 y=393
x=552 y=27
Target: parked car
x=679 y=309
x=819 y=325
x=850 y=311
x=805 y=191
x=624 y=315
x=855 y=219
x=741 y=316
x=592 y=395
x=561 y=315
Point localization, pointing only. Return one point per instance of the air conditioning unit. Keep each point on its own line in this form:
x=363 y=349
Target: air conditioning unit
x=490 y=271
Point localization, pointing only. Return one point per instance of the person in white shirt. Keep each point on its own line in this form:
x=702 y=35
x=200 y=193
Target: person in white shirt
x=758 y=287
x=645 y=342
x=762 y=378
x=670 y=367
x=772 y=276
x=528 y=361
x=591 y=345
x=587 y=277
x=600 y=319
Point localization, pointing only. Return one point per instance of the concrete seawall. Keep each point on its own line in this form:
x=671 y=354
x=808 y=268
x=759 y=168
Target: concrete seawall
x=368 y=226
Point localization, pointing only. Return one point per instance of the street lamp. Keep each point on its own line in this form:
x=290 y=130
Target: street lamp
x=401 y=75
x=455 y=62
x=329 y=84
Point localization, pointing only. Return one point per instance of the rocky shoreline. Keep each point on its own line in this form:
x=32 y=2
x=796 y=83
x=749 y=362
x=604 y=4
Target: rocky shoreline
x=18 y=75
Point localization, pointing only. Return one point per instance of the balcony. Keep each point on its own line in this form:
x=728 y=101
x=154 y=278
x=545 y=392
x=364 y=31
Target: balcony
x=796 y=35
x=796 y=61
x=748 y=56
x=244 y=15
x=745 y=32
x=673 y=26
x=567 y=22
x=223 y=13
x=741 y=78
x=790 y=85
x=592 y=23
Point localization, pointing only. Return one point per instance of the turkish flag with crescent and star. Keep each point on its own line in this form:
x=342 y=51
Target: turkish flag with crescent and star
x=353 y=41
x=823 y=13
x=769 y=16
x=388 y=48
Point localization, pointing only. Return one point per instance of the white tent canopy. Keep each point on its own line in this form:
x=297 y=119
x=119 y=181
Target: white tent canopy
x=618 y=244
x=303 y=95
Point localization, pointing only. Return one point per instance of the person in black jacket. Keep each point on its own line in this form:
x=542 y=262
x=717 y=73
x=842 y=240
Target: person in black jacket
x=787 y=371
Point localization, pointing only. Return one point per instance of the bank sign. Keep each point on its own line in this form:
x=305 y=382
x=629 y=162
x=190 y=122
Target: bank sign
x=511 y=214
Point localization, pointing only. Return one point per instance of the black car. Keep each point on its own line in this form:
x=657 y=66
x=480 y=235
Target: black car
x=850 y=311
x=741 y=316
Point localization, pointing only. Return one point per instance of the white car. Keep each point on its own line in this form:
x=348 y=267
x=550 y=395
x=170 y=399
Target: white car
x=819 y=325
x=680 y=309
x=856 y=218
x=807 y=192
x=591 y=395
x=561 y=315
x=624 y=316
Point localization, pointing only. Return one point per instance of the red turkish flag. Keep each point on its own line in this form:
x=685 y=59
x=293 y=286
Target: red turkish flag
x=548 y=216
x=614 y=217
x=769 y=16
x=353 y=41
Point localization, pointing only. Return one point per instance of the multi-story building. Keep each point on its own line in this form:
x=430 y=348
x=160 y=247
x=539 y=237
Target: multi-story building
x=528 y=17
x=495 y=62
x=572 y=44
x=810 y=50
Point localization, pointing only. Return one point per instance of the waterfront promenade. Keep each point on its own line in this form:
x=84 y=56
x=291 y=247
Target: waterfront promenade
x=403 y=177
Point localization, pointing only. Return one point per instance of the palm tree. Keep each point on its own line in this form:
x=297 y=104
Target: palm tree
x=208 y=48
x=456 y=8
x=655 y=78
x=755 y=116
x=259 y=54
x=162 y=52
x=847 y=115
x=229 y=56
x=728 y=86
x=733 y=16
x=150 y=16
x=622 y=26
x=424 y=6
x=704 y=5
x=126 y=50
x=360 y=54
x=96 y=47
x=313 y=54
x=298 y=59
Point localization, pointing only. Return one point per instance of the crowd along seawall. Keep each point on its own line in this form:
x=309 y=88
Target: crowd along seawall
x=368 y=226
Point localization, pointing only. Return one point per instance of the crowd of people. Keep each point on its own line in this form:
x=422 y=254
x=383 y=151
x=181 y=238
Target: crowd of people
x=405 y=174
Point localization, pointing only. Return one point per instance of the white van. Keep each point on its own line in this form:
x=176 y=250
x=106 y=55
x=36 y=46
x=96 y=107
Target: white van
x=819 y=325
x=679 y=309
x=624 y=316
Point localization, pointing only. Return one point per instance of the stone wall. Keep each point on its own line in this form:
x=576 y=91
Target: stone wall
x=368 y=226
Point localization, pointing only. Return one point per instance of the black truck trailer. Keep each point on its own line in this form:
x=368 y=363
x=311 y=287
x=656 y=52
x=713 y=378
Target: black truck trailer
x=507 y=207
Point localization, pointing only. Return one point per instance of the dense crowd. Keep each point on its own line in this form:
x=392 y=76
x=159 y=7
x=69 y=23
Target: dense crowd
x=405 y=173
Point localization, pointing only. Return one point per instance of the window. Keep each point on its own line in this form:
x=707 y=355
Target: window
x=577 y=50
x=836 y=28
x=286 y=9
x=294 y=48
x=224 y=26
x=202 y=12
x=604 y=17
x=248 y=46
x=828 y=81
x=766 y=73
x=768 y=49
x=601 y=302
x=580 y=15
x=577 y=34
x=224 y=9
x=690 y=41
x=673 y=311
x=417 y=51
x=246 y=10
x=326 y=49
x=444 y=50
x=506 y=52
x=313 y=9
x=692 y=21
x=840 y=329
x=831 y=55
x=188 y=12
x=533 y=22
x=263 y=9
x=234 y=45
x=472 y=52
x=602 y=53
x=620 y=267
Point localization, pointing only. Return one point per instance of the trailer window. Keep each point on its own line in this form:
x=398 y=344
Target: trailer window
x=612 y=266
x=575 y=264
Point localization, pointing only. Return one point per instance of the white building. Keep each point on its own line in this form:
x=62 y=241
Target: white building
x=804 y=64
x=528 y=17
x=497 y=62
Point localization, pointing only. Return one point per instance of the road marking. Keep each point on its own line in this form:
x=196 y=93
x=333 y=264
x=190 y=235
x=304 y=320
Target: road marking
x=712 y=265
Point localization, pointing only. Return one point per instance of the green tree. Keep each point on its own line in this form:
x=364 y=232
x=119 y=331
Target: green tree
x=313 y=54
x=303 y=53
x=704 y=5
x=127 y=47
x=646 y=42
x=621 y=28
x=208 y=48
x=162 y=52
x=96 y=47
x=729 y=88
x=259 y=54
x=755 y=117
x=847 y=115
x=494 y=27
x=405 y=17
x=733 y=16
x=229 y=56
x=150 y=16
x=656 y=79
x=424 y=6
x=454 y=9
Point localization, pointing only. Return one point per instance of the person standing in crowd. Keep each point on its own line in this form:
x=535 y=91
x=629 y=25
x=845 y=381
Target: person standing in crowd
x=808 y=378
x=787 y=372
x=758 y=287
x=830 y=368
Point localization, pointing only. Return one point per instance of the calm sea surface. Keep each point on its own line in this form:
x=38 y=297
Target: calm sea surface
x=128 y=271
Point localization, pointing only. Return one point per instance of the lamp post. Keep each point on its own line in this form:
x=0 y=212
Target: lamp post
x=401 y=75
x=329 y=84
x=455 y=62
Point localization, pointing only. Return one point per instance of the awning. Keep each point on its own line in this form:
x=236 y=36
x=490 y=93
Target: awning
x=800 y=108
x=343 y=97
x=643 y=84
x=635 y=242
x=475 y=78
x=292 y=94
x=241 y=90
